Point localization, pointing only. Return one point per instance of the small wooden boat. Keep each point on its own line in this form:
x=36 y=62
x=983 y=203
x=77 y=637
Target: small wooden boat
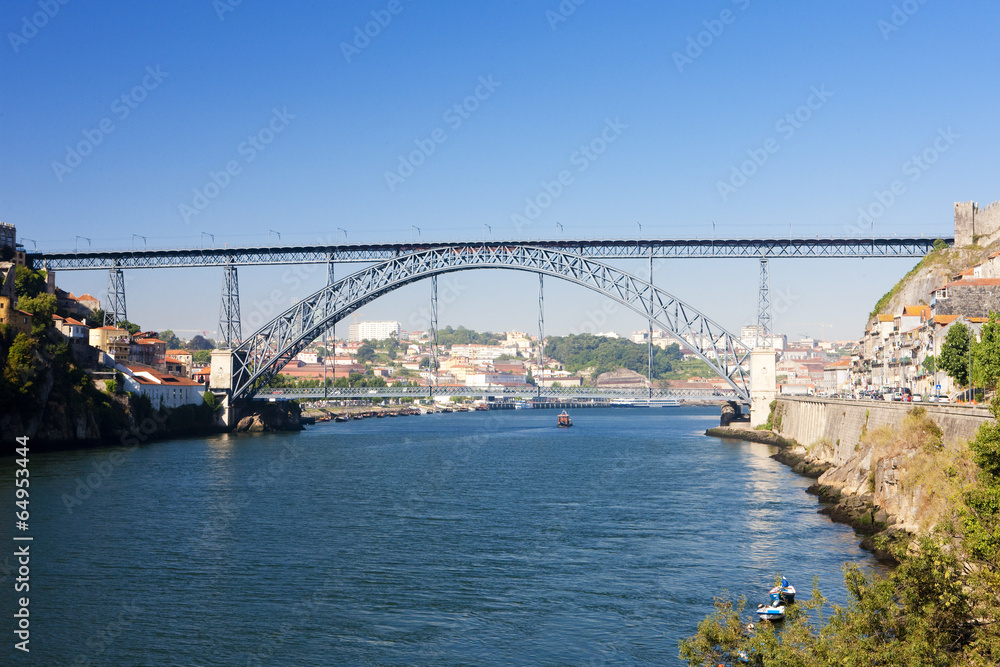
x=341 y=418
x=785 y=592
x=564 y=420
x=771 y=612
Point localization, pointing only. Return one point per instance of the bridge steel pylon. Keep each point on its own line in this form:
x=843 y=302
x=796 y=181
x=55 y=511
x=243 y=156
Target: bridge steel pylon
x=230 y=327
x=115 y=313
x=262 y=354
x=764 y=307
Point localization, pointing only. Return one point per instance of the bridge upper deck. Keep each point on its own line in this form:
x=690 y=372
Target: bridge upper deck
x=594 y=248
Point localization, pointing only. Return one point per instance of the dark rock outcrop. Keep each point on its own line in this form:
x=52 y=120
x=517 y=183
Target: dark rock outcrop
x=269 y=417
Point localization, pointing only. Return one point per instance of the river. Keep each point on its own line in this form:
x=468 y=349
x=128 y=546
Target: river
x=467 y=538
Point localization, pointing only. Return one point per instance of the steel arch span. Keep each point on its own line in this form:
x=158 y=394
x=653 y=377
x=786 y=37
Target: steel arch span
x=259 y=358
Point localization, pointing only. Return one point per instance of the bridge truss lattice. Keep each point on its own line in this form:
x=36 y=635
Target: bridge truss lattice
x=265 y=352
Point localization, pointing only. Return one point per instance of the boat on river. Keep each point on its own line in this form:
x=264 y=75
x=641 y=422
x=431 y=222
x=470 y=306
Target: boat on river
x=771 y=612
x=564 y=420
x=785 y=592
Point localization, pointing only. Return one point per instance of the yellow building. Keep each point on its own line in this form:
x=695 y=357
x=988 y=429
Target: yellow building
x=112 y=340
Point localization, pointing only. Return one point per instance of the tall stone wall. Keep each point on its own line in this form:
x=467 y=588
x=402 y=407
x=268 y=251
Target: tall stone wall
x=976 y=225
x=964 y=229
x=840 y=423
x=969 y=300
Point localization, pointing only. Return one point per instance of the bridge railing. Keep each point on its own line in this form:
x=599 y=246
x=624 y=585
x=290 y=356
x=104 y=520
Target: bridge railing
x=338 y=393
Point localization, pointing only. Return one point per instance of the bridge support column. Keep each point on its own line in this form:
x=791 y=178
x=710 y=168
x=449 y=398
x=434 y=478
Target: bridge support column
x=230 y=328
x=115 y=312
x=763 y=384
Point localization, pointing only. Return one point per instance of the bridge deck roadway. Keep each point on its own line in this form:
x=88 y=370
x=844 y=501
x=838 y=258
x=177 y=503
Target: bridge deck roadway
x=595 y=249
x=341 y=393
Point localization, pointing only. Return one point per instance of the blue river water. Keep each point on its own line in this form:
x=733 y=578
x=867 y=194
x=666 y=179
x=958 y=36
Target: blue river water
x=487 y=538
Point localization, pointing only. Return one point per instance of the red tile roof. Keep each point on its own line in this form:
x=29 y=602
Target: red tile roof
x=969 y=282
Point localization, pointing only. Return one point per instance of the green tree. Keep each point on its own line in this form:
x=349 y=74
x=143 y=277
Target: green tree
x=201 y=356
x=96 y=318
x=130 y=327
x=199 y=342
x=986 y=353
x=28 y=283
x=42 y=307
x=172 y=341
x=954 y=357
x=365 y=353
x=930 y=364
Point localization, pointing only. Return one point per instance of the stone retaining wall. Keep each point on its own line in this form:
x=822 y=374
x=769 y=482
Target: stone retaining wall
x=841 y=422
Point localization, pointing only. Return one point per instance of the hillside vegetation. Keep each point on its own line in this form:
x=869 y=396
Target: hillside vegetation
x=934 y=270
x=602 y=355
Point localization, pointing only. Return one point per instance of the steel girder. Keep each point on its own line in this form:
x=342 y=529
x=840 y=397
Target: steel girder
x=266 y=351
x=380 y=252
x=528 y=391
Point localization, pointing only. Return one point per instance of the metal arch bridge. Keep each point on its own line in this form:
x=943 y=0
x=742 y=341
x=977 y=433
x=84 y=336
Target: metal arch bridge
x=258 y=359
x=341 y=393
x=774 y=248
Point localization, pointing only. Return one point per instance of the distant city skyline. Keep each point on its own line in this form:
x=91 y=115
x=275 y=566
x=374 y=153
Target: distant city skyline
x=186 y=124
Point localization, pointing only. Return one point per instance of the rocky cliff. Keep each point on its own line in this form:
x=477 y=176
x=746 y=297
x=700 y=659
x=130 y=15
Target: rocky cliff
x=932 y=272
x=266 y=417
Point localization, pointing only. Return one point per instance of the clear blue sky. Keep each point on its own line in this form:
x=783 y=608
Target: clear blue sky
x=204 y=81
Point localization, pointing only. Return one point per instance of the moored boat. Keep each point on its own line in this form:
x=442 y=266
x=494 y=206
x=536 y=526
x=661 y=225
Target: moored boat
x=564 y=420
x=785 y=592
x=771 y=612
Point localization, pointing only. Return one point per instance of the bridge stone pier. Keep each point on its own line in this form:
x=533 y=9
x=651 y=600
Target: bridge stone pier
x=763 y=383
x=221 y=380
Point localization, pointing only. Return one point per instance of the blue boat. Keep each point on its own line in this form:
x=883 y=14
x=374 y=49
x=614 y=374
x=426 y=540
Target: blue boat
x=785 y=592
x=771 y=612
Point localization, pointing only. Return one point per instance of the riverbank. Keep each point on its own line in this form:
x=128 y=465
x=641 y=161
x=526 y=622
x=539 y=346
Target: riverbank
x=858 y=512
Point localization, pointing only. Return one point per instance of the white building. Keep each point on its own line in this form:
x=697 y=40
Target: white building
x=373 y=330
x=748 y=336
x=163 y=390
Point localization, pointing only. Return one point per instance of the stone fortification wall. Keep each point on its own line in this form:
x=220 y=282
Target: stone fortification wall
x=969 y=300
x=841 y=423
x=975 y=224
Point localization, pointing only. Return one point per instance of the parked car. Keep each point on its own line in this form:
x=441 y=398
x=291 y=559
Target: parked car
x=897 y=395
x=918 y=398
